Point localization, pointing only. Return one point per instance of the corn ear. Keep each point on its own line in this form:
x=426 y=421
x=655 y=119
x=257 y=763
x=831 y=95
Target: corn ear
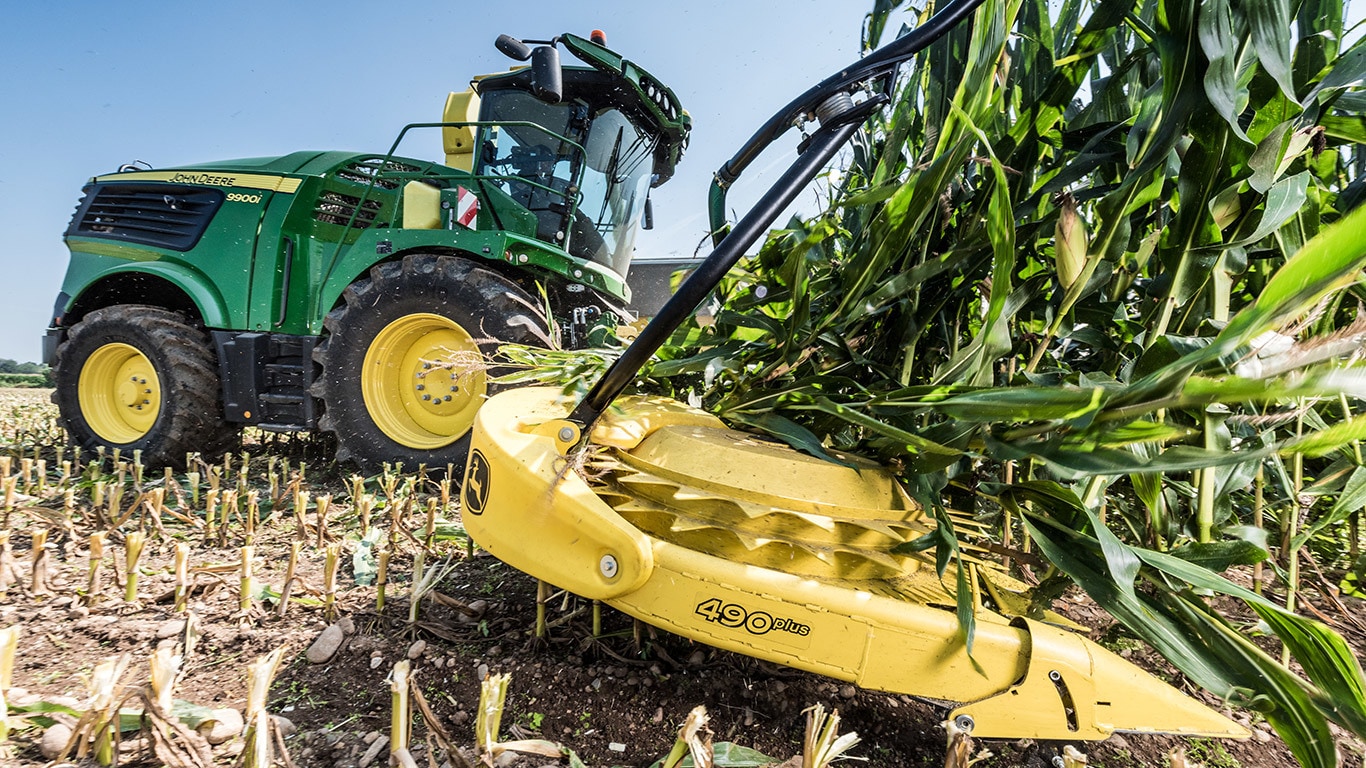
x=1069 y=244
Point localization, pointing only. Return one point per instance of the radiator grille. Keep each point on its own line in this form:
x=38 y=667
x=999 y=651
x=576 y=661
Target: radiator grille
x=157 y=215
x=336 y=208
x=364 y=171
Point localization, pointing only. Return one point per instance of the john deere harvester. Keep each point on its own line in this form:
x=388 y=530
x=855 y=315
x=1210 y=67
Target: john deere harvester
x=330 y=290
x=750 y=546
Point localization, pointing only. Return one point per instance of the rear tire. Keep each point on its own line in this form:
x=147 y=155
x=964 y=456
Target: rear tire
x=387 y=396
x=141 y=378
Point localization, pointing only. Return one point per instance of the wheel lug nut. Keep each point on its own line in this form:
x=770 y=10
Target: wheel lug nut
x=420 y=387
x=446 y=398
x=426 y=397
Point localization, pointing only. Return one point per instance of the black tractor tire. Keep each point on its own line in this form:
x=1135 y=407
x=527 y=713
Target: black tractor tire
x=188 y=414
x=431 y=295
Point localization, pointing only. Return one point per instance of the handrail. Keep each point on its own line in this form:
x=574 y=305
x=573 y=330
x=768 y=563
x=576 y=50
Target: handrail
x=389 y=156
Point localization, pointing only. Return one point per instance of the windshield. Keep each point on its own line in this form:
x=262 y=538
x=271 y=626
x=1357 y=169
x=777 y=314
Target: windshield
x=615 y=185
x=587 y=189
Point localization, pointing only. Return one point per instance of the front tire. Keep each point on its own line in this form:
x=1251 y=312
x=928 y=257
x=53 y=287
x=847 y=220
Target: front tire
x=140 y=378
x=396 y=385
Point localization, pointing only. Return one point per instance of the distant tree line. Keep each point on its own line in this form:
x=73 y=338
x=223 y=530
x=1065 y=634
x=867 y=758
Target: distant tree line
x=16 y=374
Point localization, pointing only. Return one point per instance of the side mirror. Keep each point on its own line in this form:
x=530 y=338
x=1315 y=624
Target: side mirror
x=649 y=217
x=546 y=78
x=512 y=47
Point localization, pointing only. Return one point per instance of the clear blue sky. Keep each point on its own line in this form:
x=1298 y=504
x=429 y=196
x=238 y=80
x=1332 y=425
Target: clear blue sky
x=88 y=86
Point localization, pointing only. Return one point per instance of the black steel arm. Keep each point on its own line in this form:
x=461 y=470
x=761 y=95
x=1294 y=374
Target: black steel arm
x=819 y=149
x=880 y=64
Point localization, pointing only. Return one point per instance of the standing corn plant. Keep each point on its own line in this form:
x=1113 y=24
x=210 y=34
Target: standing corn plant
x=1088 y=277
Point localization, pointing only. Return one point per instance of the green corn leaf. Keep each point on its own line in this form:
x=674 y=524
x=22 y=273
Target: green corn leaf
x=1270 y=24
x=1220 y=45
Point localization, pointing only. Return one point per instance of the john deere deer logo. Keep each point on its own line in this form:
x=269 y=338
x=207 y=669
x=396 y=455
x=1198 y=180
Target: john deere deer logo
x=476 y=483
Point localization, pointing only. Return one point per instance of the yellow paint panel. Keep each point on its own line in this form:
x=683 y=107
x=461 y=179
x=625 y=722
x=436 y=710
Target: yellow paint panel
x=421 y=206
x=262 y=181
x=526 y=505
x=459 y=140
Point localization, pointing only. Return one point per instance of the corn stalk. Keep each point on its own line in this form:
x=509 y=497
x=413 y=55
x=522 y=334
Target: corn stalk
x=259 y=749
x=132 y=553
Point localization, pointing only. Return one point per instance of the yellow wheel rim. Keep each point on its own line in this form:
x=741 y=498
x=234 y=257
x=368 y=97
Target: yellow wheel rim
x=119 y=393
x=415 y=388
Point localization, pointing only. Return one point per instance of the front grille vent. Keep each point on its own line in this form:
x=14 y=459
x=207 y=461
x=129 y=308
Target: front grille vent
x=336 y=208
x=365 y=171
x=153 y=214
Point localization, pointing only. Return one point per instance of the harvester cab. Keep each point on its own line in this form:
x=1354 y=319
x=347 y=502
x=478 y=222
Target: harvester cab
x=750 y=546
x=574 y=149
x=322 y=290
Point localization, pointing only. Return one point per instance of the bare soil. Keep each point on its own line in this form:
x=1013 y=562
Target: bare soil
x=614 y=699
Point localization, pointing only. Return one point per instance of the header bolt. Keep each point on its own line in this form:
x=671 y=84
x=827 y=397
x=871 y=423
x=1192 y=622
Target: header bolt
x=607 y=566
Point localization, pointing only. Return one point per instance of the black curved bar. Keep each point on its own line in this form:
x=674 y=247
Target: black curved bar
x=822 y=146
x=880 y=63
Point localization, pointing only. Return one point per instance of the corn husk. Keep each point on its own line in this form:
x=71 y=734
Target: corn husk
x=132 y=553
x=823 y=743
x=9 y=640
x=488 y=718
x=400 y=714
x=1069 y=242
x=245 y=582
x=38 y=563
x=165 y=670
x=381 y=580
x=330 y=563
x=320 y=511
x=289 y=578
x=258 y=752
x=96 y=565
x=694 y=738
